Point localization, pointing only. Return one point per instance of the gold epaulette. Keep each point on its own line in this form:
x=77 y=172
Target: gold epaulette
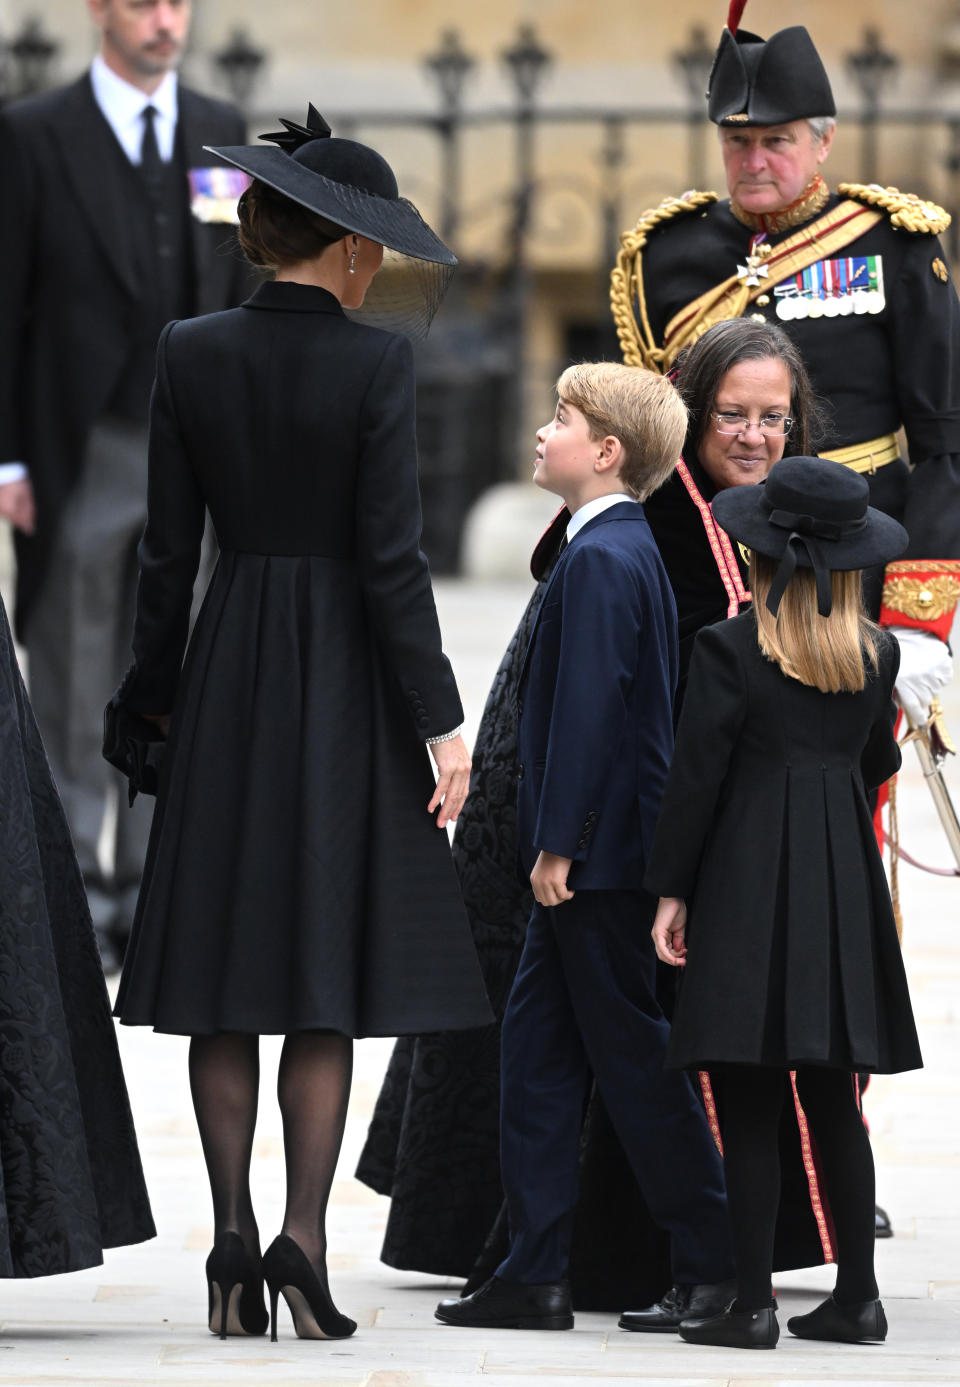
x=906 y=210
x=625 y=280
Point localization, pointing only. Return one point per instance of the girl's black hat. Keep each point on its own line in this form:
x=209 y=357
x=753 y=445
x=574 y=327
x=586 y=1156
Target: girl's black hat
x=810 y=512
x=346 y=182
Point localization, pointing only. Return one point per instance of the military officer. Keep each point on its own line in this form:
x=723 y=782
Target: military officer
x=858 y=279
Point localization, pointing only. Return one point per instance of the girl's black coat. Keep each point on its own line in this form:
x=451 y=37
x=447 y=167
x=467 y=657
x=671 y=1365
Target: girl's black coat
x=766 y=831
x=294 y=878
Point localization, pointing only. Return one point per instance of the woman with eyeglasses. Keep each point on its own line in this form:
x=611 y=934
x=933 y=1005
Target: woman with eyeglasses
x=750 y=403
x=432 y=1145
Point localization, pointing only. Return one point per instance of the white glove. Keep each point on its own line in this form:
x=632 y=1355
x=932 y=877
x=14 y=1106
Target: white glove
x=926 y=667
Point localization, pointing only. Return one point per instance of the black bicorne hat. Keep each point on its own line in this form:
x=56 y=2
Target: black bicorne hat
x=768 y=82
x=811 y=513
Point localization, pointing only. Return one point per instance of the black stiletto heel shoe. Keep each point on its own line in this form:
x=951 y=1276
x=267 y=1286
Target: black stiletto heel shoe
x=235 y=1289
x=288 y=1272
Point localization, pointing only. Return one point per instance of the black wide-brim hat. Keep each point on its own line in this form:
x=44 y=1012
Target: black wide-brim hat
x=344 y=181
x=768 y=82
x=810 y=513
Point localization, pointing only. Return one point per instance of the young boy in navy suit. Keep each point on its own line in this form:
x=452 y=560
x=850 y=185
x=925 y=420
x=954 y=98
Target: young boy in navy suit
x=595 y=738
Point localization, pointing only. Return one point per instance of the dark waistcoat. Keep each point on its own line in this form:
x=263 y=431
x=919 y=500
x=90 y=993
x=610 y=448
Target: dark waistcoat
x=159 y=222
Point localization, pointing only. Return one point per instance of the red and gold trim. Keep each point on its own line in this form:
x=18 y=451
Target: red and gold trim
x=812 y=200
x=720 y=546
x=710 y=1103
x=810 y=1167
x=921 y=593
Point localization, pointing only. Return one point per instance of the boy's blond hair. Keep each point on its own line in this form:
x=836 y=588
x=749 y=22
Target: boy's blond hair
x=639 y=408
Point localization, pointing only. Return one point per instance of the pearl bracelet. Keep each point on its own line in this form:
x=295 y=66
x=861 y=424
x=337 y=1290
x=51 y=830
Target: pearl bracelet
x=445 y=737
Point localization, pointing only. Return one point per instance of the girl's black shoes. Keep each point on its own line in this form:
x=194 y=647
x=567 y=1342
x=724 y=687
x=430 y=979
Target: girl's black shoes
x=288 y=1272
x=862 y=1323
x=235 y=1289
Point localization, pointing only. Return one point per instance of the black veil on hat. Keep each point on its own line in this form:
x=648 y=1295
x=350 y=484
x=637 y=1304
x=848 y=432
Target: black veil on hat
x=811 y=513
x=772 y=81
x=353 y=186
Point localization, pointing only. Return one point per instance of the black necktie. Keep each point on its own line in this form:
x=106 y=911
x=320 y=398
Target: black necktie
x=151 y=165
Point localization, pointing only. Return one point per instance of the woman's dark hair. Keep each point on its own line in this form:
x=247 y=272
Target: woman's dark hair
x=275 y=230
x=700 y=369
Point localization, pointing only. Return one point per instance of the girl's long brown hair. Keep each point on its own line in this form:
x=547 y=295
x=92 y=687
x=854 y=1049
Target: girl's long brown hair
x=827 y=652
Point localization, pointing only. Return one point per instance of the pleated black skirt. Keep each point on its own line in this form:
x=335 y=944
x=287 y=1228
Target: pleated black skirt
x=294 y=879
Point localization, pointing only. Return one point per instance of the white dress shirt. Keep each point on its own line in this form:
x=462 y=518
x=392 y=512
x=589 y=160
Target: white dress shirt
x=123 y=107
x=597 y=506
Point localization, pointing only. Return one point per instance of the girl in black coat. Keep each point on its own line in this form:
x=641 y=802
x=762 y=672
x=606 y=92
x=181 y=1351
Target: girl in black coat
x=295 y=882
x=793 y=960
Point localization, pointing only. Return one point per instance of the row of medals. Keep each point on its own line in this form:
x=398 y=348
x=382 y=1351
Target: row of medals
x=791 y=308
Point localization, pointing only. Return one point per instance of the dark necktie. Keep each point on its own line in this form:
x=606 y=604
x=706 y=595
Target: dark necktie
x=151 y=165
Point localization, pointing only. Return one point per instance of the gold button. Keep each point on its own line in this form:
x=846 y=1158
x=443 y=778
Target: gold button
x=763 y=300
x=925 y=598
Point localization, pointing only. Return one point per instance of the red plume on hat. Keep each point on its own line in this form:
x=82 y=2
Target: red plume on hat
x=735 y=14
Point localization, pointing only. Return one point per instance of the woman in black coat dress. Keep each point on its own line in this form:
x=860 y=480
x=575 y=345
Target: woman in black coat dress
x=765 y=832
x=71 y=1182
x=295 y=882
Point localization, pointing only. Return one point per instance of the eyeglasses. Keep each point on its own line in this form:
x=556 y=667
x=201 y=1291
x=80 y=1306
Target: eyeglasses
x=769 y=424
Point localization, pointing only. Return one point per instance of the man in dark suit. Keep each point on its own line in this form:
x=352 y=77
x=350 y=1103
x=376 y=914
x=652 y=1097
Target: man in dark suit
x=116 y=225
x=595 y=739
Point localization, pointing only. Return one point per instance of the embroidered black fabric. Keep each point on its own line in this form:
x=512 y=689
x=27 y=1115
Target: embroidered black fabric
x=71 y=1183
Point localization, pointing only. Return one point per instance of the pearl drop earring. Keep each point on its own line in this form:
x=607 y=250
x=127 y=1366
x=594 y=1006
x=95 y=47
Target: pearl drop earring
x=352 y=267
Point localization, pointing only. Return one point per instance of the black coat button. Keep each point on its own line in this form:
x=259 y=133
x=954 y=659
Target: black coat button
x=520 y=771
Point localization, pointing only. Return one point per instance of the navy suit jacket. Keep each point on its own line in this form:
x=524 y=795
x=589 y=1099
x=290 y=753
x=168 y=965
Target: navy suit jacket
x=595 y=704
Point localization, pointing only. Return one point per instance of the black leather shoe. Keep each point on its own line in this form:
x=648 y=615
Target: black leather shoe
x=734 y=1329
x=862 y=1323
x=508 y=1305
x=680 y=1303
x=882 y=1226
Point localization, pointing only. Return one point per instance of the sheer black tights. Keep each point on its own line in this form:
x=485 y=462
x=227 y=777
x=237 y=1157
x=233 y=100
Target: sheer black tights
x=225 y=1083
x=313 y=1087
x=753 y=1099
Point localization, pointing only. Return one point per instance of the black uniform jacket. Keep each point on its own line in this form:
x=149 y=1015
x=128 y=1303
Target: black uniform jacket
x=294 y=878
x=68 y=291
x=900 y=366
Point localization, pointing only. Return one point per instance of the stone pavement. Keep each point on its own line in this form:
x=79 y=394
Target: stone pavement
x=139 y=1319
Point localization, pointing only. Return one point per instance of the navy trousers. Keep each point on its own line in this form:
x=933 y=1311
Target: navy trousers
x=583 y=1005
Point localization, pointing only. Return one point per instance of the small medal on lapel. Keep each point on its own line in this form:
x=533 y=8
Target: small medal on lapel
x=214 y=193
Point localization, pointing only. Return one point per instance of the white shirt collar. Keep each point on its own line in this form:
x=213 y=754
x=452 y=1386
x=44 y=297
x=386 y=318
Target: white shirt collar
x=597 y=506
x=123 y=107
